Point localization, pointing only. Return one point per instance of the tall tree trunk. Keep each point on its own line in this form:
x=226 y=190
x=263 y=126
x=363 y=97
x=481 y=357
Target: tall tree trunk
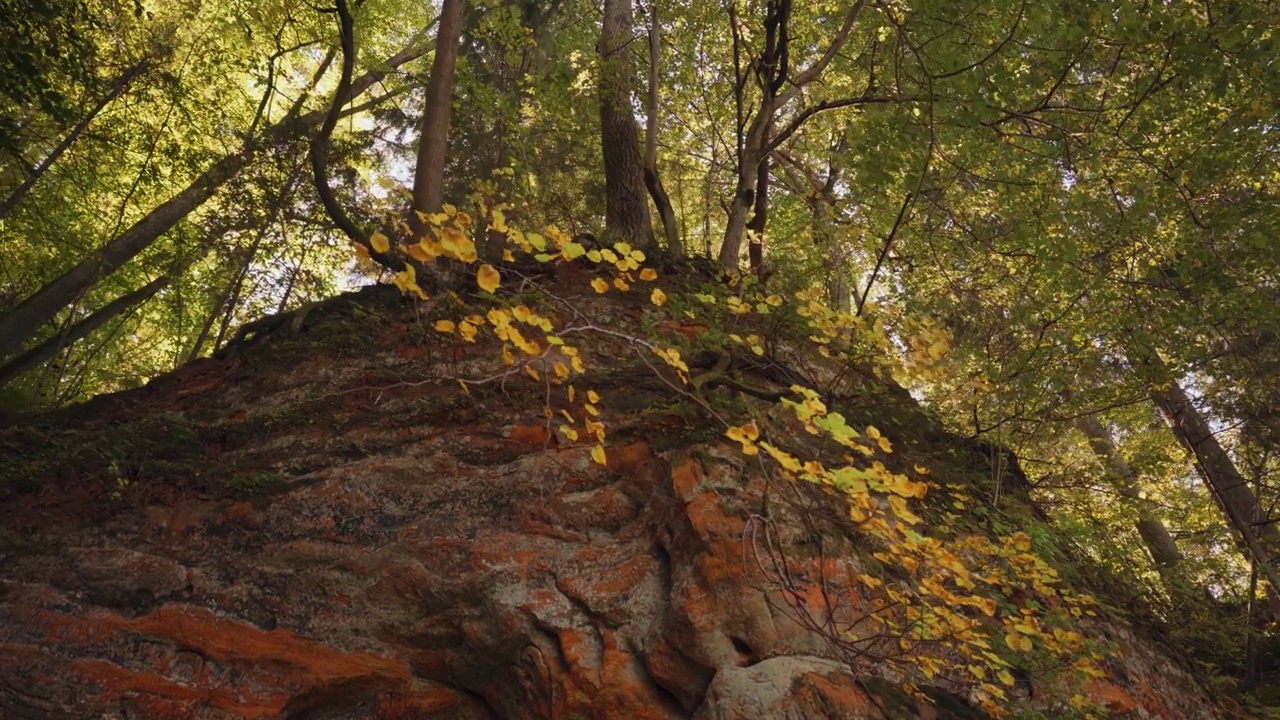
x=24 y=321
x=626 y=211
x=1164 y=551
x=661 y=200
x=47 y=349
x=433 y=136
x=1235 y=497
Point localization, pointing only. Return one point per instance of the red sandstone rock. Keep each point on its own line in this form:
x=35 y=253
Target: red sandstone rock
x=425 y=559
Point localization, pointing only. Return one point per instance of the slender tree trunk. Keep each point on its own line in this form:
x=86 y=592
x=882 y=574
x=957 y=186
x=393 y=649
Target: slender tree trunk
x=24 y=321
x=232 y=292
x=31 y=314
x=745 y=194
x=433 y=137
x=122 y=83
x=1164 y=551
x=626 y=197
x=661 y=200
x=779 y=87
x=47 y=349
x=214 y=313
x=760 y=211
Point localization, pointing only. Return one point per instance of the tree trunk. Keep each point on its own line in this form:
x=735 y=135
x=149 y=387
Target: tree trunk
x=433 y=137
x=24 y=321
x=626 y=197
x=121 y=84
x=1235 y=498
x=1219 y=470
x=661 y=200
x=47 y=349
x=779 y=87
x=1164 y=551
x=745 y=194
x=760 y=210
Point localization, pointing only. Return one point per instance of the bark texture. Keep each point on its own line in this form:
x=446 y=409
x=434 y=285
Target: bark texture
x=661 y=200
x=433 y=135
x=626 y=196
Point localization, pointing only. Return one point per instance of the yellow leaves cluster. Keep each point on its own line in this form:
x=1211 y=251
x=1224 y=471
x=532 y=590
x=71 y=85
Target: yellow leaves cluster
x=951 y=596
x=407 y=281
x=671 y=356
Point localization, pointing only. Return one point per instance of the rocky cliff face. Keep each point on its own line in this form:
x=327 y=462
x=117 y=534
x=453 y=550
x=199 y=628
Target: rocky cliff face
x=316 y=527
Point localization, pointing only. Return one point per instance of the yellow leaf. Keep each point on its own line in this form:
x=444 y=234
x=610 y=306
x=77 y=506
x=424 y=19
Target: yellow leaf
x=883 y=442
x=445 y=326
x=569 y=433
x=561 y=370
x=744 y=432
x=899 y=507
x=593 y=396
x=456 y=245
x=417 y=253
x=648 y=274
x=600 y=286
x=532 y=373
x=621 y=284
x=1013 y=641
x=362 y=252
x=487 y=278
x=571 y=393
x=597 y=454
x=449 y=210
x=785 y=459
x=379 y=242
x=430 y=248
x=499 y=317
x=573 y=251
x=507 y=256
x=468 y=331
x=658 y=297
x=1005 y=677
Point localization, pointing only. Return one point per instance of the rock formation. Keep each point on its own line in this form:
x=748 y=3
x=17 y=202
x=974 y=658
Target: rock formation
x=319 y=526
